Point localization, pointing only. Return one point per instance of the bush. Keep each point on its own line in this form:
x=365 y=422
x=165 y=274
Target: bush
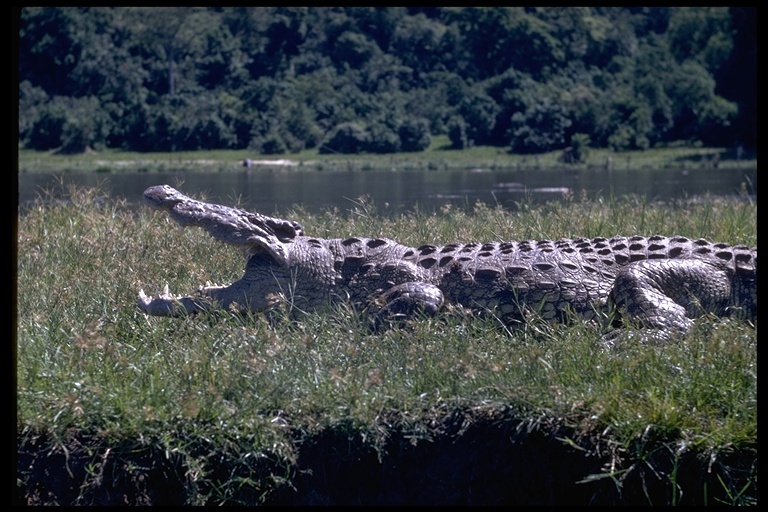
x=625 y=138
x=457 y=132
x=346 y=138
x=479 y=112
x=273 y=144
x=577 y=152
x=382 y=139
x=70 y=124
x=539 y=129
x=211 y=133
x=45 y=130
x=414 y=135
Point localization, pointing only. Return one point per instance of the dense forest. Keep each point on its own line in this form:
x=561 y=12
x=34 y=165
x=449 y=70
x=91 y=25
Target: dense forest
x=385 y=79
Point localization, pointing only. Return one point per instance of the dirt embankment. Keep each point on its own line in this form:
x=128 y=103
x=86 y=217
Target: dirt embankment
x=466 y=459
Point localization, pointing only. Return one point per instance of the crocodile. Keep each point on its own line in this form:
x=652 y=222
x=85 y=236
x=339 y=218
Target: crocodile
x=656 y=282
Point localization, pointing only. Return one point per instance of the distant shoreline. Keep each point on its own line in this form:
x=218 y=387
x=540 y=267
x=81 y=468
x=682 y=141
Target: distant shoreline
x=436 y=158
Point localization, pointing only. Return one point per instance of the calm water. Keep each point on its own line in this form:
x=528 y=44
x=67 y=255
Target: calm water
x=276 y=191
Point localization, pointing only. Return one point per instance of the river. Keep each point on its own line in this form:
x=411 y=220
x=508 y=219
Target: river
x=276 y=191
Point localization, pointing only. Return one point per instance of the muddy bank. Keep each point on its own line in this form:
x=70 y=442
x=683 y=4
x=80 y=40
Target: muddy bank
x=461 y=459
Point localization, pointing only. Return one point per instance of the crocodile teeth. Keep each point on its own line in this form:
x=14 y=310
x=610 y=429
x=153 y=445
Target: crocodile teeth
x=164 y=295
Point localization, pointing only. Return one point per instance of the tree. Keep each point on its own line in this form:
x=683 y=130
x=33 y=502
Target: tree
x=500 y=38
x=346 y=138
x=49 y=47
x=354 y=49
x=284 y=78
x=479 y=111
x=414 y=134
x=44 y=129
x=703 y=34
x=699 y=113
x=540 y=128
x=32 y=100
x=457 y=133
x=166 y=32
x=381 y=138
x=86 y=126
x=417 y=41
x=70 y=125
x=578 y=150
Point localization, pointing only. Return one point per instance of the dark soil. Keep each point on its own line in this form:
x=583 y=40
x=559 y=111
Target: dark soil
x=465 y=457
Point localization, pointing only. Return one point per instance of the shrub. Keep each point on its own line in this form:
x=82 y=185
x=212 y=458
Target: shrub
x=346 y=138
x=414 y=135
x=577 y=152
x=457 y=132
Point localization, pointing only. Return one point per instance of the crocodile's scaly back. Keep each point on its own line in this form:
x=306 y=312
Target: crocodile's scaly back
x=555 y=277
x=658 y=282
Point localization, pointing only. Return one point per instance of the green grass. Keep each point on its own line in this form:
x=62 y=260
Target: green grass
x=436 y=157
x=89 y=361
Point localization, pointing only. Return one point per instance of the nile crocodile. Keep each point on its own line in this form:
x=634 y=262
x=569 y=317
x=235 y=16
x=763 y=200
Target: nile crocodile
x=655 y=282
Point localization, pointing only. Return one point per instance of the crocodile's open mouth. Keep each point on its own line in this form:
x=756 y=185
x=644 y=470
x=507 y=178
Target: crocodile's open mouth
x=259 y=236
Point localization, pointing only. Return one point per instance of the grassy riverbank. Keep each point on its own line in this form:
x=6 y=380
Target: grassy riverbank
x=117 y=407
x=437 y=157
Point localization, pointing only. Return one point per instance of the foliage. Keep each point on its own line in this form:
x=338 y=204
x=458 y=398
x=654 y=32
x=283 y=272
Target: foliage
x=539 y=129
x=578 y=151
x=286 y=79
x=414 y=134
x=346 y=138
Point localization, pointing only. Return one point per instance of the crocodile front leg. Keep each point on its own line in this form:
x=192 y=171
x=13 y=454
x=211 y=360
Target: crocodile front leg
x=405 y=301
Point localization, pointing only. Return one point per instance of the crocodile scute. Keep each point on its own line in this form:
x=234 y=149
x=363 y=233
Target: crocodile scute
x=655 y=282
